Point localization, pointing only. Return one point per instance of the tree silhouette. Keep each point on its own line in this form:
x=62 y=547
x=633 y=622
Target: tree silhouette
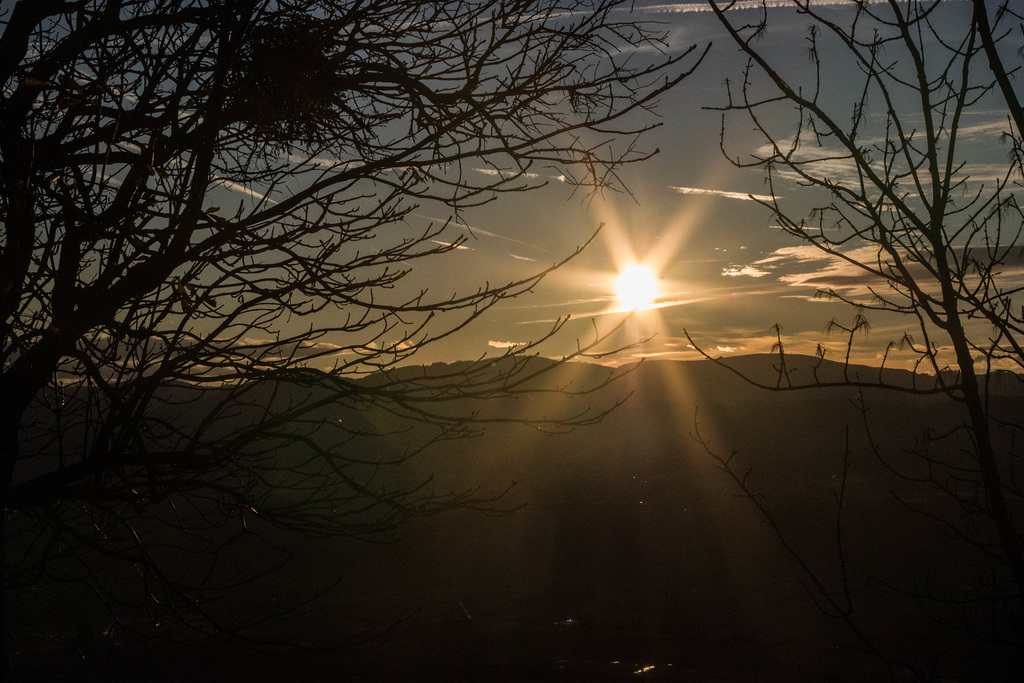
x=207 y=263
x=877 y=132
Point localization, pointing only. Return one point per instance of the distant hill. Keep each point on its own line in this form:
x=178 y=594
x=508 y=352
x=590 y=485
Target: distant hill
x=625 y=547
x=808 y=371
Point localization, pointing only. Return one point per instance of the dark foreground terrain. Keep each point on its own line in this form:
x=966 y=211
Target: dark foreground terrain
x=629 y=556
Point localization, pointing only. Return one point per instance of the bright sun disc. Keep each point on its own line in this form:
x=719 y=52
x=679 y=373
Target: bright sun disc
x=637 y=287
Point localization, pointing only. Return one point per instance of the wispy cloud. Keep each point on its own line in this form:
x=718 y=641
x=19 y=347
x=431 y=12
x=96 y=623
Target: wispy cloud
x=998 y=126
x=334 y=164
x=668 y=303
x=800 y=254
x=504 y=344
x=702 y=6
x=723 y=193
x=273 y=350
x=476 y=232
x=506 y=173
x=232 y=185
x=749 y=271
x=522 y=258
x=808 y=266
x=838 y=164
x=450 y=244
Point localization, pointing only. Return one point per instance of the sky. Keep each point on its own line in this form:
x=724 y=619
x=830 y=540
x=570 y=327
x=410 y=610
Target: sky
x=724 y=273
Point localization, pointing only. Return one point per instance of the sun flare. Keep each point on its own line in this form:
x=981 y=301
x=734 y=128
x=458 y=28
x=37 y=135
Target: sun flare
x=637 y=287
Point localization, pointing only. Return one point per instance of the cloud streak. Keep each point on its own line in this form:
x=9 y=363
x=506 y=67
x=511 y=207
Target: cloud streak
x=608 y=311
x=501 y=173
x=474 y=232
x=749 y=271
x=232 y=185
x=723 y=193
x=509 y=174
x=450 y=244
x=504 y=344
x=689 y=7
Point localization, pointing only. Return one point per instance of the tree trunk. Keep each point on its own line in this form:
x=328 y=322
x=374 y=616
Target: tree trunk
x=991 y=477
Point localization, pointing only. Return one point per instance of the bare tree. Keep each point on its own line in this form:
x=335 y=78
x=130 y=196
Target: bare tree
x=875 y=133
x=207 y=203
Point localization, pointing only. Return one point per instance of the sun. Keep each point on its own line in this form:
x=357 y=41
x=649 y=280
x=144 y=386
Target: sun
x=637 y=287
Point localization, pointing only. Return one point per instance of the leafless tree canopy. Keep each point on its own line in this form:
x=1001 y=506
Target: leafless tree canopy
x=877 y=133
x=206 y=203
